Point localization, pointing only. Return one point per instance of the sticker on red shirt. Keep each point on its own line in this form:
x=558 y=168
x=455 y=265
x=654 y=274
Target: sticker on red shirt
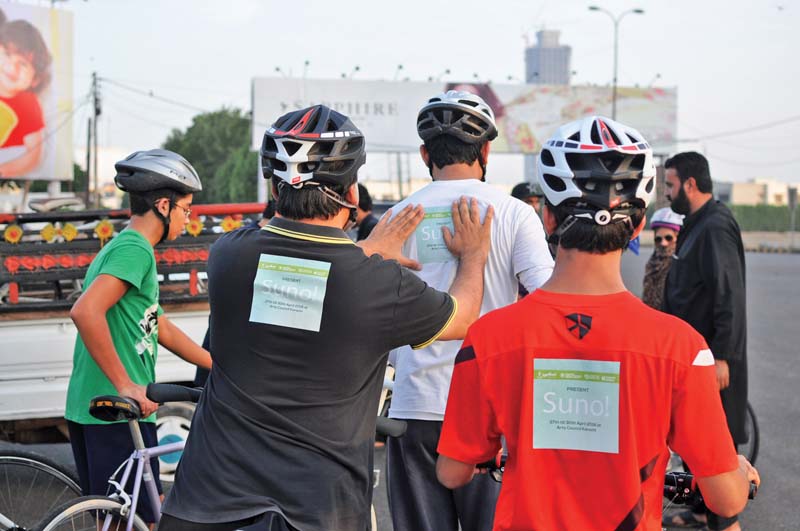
x=576 y=405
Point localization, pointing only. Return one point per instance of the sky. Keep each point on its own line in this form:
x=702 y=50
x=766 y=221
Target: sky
x=733 y=62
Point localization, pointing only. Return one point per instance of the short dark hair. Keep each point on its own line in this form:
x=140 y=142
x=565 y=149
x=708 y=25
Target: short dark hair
x=22 y=37
x=269 y=210
x=142 y=202
x=445 y=150
x=589 y=237
x=364 y=199
x=691 y=164
x=308 y=202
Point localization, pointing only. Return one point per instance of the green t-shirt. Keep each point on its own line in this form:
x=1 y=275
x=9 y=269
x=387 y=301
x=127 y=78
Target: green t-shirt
x=133 y=322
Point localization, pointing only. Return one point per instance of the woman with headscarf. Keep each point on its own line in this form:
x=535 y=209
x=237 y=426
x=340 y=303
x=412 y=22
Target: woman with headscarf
x=666 y=225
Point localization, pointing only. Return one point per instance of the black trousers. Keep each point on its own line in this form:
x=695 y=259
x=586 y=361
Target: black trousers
x=274 y=522
x=418 y=502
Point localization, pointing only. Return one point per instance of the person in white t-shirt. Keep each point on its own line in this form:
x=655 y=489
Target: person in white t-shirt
x=456 y=128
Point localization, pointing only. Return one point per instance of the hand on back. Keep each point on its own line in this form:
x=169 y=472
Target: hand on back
x=471 y=236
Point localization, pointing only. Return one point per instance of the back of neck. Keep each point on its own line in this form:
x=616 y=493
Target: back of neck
x=582 y=273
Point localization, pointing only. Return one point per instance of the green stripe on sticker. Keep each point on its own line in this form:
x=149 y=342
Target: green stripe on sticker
x=438 y=214
x=300 y=270
x=581 y=376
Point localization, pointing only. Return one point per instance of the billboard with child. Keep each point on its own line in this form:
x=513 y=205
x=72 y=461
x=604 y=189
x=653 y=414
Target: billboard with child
x=35 y=92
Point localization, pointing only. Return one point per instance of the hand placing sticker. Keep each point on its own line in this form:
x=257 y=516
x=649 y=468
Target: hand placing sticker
x=471 y=236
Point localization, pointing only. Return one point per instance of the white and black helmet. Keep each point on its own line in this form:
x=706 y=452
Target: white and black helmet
x=598 y=167
x=461 y=114
x=144 y=171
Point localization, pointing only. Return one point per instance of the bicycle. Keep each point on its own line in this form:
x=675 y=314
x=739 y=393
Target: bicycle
x=117 y=510
x=679 y=487
x=28 y=483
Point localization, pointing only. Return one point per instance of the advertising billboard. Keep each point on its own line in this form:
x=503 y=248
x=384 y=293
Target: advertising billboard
x=35 y=92
x=526 y=115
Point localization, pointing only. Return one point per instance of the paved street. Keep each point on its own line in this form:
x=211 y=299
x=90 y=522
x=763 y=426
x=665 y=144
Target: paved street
x=774 y=304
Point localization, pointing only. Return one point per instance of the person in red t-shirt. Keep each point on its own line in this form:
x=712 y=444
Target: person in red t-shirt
x=588 y=385
x=24 y=72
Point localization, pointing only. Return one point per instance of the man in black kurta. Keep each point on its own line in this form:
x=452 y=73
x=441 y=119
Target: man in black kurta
x=706 y=282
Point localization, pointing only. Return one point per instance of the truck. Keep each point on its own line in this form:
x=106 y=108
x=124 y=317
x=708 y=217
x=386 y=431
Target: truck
x=43 y=260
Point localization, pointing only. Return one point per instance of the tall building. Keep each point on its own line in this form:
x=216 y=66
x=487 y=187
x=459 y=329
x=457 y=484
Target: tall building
x=548 y=62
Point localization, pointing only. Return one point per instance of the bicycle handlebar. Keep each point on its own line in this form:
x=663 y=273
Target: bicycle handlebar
x=680 y=489
x=162 y=393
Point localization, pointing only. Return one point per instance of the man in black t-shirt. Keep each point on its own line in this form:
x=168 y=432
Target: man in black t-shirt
x=302 y=320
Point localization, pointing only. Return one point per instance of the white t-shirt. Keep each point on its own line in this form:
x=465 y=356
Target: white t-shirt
x=518 y=253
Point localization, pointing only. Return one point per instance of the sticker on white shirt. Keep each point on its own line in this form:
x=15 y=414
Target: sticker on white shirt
x=576 y=405
x=289 y=292
x=430 y=241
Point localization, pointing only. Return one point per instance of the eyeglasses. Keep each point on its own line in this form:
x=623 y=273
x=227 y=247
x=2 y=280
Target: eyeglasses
x=668 y=238
x=186 y=211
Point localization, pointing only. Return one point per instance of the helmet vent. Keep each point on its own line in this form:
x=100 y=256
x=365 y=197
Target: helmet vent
x=269 y=145
x=468 y=102
x=595 y=135
x=631 y=138
x=576 y=137
x=277 y=165
x=554 y=183
x=649 y=186
x=547 y=158
x=291 y=147
x=330 y=126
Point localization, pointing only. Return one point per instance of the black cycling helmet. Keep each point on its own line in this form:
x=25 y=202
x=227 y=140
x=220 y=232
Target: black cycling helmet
x=157 y=169
x=314 y=144
x=143 y=171
x=460 y=114
x=317 y=147
x=599 y=168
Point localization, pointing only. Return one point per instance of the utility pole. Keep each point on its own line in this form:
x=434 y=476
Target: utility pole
x=88 y=162
x=97 y=113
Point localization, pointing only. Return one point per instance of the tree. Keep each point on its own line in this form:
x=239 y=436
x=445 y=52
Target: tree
x=218 y=146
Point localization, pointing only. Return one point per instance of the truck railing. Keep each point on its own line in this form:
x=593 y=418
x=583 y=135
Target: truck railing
x=44 y=256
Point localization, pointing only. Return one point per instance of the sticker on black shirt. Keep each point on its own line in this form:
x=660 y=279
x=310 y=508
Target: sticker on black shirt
x=289 y=292
x=576 y=405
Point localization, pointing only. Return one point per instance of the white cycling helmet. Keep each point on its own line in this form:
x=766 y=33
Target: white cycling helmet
x=602 y=168
x=666 y=217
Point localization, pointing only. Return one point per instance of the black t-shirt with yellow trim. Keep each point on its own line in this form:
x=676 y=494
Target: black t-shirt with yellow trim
x=301 y=324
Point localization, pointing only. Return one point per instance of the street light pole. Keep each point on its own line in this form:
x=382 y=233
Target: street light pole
x=615 y=20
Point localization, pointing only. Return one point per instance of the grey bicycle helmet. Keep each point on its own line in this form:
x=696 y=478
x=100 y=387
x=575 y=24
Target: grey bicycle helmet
x=157 y=169
x=461 y=114
x=599 y=168
x=315 y=147
x=143 y=171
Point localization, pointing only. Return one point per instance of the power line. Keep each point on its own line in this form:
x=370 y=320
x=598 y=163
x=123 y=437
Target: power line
x=154 y=96
x=750 y=129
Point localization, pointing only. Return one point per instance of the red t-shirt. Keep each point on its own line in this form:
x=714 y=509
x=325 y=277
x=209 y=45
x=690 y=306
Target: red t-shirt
x=20 y=116
x=588 y=391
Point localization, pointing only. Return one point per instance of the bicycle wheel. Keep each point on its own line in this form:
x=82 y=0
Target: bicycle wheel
x=89 y=513
x=30 y=486
x=750 y=449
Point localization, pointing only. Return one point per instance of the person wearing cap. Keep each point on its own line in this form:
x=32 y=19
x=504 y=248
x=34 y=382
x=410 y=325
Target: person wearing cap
x=529 y=193
x=302 y=320
x=457 y=128
x=666 y=225
x=120 y=322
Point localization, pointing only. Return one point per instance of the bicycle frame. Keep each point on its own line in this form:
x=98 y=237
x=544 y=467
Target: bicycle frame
x=141 y=456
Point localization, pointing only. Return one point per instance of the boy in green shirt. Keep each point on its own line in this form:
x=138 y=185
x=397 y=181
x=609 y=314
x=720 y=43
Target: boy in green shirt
x=117 y=355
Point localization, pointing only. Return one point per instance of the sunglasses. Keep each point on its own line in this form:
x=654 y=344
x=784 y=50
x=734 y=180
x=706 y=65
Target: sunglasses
x=668 y=238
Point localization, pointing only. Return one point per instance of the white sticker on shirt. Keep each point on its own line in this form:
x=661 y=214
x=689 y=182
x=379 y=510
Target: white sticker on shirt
x=430 y=241
x=576 y=405
x=289 y=292
x=704 y=358
x=149 y=327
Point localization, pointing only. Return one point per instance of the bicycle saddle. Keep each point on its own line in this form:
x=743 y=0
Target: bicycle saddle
x=113 y=408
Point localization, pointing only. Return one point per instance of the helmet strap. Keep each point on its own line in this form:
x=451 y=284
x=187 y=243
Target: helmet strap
x=165 y=220
x=482 y=164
